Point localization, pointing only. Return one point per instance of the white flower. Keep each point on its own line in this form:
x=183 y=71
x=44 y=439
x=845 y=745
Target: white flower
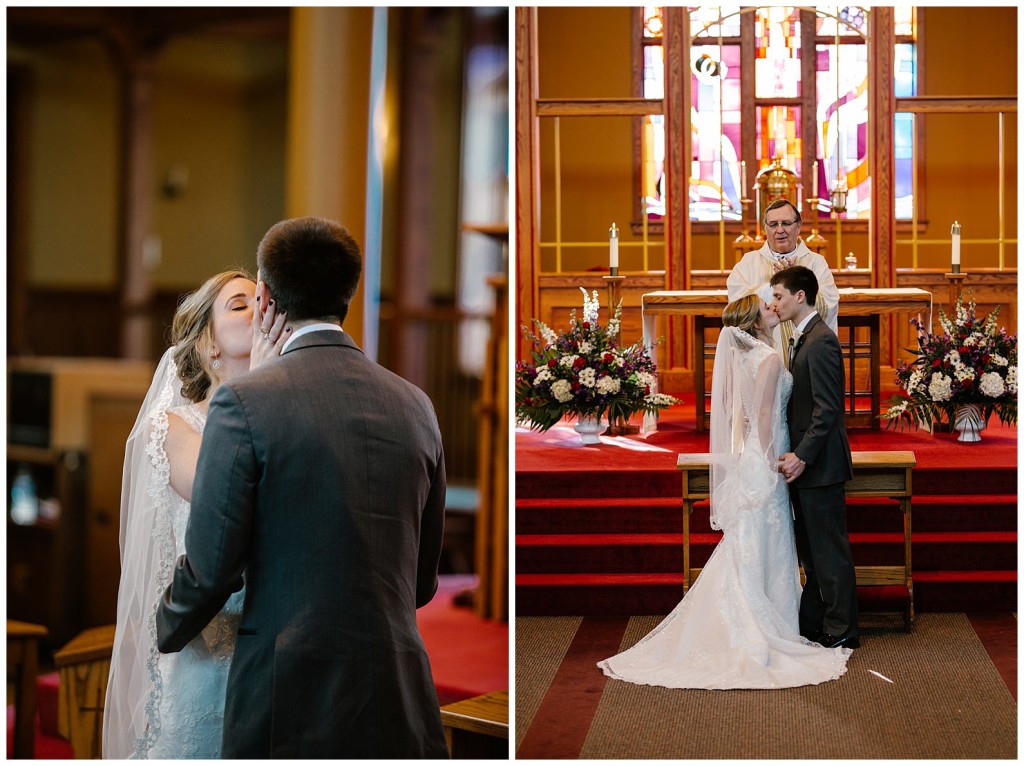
x=586 y=347
x=896 y=410
x=608 y=385
x=953 y=357
x=963 y=373
x=659 y=399
x=991 y=384
x=645 y=379
x=939 y=389
x=588 y=376
x=550 y=336
x=916 y=382
x=544 y=374
x=568 y=360
x=561 y=391
x=1011 y=380
x=999 y=361
x=591 y=306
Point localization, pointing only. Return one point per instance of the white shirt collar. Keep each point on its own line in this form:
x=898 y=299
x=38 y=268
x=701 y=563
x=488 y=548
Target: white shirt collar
x=316 y=327
x=799 y=329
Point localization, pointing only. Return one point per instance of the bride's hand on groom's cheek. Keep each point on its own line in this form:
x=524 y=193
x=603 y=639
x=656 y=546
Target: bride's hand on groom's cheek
x=269 y=334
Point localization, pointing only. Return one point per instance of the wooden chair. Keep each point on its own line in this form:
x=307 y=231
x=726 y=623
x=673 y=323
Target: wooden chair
x=23 y=669
x=84 y=665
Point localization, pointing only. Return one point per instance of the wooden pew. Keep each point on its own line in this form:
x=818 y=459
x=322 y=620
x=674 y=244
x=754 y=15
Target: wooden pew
x=477 y=727
x=875 y=474
x=22 y=669
x=84 y=665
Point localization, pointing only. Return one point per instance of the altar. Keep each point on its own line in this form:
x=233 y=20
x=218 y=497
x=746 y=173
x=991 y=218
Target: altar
x=857 y=308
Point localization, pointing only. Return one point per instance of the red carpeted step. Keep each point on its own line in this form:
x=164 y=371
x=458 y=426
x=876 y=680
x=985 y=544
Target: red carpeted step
x=599 y=515
x=540 y=554
x=962 y=591
x=623 y=594
x=935 y=513
x=618 y=553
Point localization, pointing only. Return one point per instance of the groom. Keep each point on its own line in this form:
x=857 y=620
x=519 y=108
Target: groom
x=820 y=464
x=321 y=480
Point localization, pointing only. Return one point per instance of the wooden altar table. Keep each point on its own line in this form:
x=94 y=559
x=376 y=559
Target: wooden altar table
x=875 y=474
x=857 y=308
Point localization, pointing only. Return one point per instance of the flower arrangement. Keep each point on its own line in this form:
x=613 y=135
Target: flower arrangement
x=583 y=373
x=971 y=362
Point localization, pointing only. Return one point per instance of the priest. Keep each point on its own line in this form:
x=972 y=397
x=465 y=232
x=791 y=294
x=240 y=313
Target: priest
x=784 y=248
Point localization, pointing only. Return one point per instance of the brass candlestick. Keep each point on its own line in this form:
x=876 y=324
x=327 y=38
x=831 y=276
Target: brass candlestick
x=814 y=240
x=614 y=283
x=956 y=286
x=744 y=243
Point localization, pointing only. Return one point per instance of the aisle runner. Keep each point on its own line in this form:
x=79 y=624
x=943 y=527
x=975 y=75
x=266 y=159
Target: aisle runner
x=943 y=699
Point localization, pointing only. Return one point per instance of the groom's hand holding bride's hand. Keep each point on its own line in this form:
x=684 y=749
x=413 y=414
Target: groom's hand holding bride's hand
x=791 y=466
x=269 y=334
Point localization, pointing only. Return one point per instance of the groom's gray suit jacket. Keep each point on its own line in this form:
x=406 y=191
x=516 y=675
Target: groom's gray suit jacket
x=321 y=478
x=816 y=427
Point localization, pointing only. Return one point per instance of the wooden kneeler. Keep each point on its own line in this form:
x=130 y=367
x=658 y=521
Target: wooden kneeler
x=875 y=474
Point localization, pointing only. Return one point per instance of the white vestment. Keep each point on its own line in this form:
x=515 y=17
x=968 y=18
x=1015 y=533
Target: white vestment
x=755 y=269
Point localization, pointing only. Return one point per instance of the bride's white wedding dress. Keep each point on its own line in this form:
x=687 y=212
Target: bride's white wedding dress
x=162 y=705
x=192 y=682
x=737 y=627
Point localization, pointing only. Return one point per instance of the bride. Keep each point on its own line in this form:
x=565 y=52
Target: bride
x=737 y=627
x=172 y=705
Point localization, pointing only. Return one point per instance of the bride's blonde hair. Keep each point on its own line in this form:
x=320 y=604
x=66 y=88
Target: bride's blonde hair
x=745 y=314
x=192 y=335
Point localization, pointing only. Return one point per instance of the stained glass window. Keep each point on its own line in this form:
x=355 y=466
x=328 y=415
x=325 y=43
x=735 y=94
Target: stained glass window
x=838 y=97
x=841 y=117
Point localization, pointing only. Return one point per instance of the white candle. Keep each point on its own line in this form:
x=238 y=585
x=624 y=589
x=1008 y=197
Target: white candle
x=613 y=247
x=743 y=179
x=956 y=247
x=814 y=180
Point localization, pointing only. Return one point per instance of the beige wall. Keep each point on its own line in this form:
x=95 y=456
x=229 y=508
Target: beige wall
x=218 y=110
x=72 y=190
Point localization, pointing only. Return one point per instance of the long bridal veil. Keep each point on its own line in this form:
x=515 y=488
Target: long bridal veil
x=133 y=689
x=744 y=438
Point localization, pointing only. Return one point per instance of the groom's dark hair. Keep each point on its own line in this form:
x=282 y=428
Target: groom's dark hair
x=797 y=278
x=311 y=266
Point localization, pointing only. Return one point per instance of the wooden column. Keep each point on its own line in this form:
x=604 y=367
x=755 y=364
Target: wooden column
x=491 y=600
x=328 y=124
x=136 y=63
x=881 y=109
x=527 y=212
x=677 y=140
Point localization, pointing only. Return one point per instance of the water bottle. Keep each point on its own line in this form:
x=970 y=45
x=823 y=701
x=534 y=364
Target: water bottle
x=24 y=501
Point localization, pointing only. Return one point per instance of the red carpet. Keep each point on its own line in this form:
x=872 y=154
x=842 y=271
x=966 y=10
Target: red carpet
x=468 y=657
x=598 y=528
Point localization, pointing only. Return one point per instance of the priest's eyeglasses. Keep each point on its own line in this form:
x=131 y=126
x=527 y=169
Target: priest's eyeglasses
x=777 y=224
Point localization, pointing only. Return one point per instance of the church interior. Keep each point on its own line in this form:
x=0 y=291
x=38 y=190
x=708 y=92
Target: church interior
x=150 y=148
x=649 y=141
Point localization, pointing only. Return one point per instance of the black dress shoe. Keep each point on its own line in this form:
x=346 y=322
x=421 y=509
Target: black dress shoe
x=839 y=642
x=811 y=635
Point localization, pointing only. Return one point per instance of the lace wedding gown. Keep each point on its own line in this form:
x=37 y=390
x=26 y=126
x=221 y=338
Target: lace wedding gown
x=737 y=627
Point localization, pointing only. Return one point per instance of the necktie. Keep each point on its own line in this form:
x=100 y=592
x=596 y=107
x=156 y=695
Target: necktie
x=792 y=350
